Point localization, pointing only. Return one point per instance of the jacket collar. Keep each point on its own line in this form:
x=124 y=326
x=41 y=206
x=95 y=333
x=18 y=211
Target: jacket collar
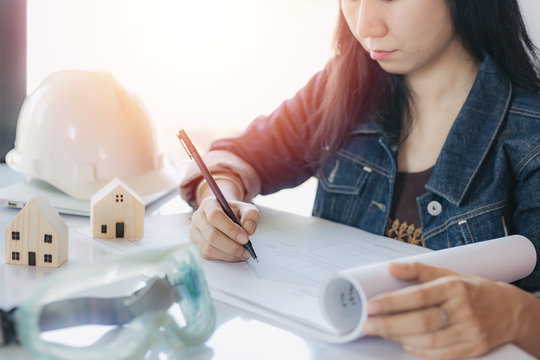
x=367 y=126
x=473 y=133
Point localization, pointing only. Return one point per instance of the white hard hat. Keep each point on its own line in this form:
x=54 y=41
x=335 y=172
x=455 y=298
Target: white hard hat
x=80 y=129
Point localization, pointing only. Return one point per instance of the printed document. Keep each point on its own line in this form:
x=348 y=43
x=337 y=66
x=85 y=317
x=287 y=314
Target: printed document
x=314 y=276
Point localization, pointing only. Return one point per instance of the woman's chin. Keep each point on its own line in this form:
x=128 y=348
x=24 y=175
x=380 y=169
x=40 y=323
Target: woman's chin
x=393 y=67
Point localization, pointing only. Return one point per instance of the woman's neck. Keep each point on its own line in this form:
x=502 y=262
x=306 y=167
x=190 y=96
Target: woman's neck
x=438 y=94
x=444 y=83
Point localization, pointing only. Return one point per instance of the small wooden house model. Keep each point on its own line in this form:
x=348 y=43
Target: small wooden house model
x=37 y=236
x=117 y=212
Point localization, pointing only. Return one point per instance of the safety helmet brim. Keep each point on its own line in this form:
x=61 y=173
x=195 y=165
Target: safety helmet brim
x=159 y=180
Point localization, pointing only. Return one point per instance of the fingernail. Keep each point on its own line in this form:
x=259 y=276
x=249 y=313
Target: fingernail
x=242 y=238
x=246 y=255
x=370 y=327
x=408 y=347
x=249 y=226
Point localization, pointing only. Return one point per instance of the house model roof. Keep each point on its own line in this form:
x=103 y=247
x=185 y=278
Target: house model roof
x=48 y=211
x=107 y=189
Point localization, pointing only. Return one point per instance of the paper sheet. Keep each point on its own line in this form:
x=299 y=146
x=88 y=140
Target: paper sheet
x=299 y=256
x=343 y=297
x=296 y=255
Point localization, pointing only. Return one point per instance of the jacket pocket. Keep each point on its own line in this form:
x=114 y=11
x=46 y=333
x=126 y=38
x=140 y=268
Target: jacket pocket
x=483 y=223
x=341 y=180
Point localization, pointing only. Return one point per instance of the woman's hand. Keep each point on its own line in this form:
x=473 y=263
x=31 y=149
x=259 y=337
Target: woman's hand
x=217 y=236
x=448 y=315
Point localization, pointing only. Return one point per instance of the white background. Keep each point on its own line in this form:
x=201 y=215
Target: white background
x=207 y=66
x=531 y=13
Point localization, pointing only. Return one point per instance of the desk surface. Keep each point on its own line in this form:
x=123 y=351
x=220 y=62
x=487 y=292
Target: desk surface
x=238 y=334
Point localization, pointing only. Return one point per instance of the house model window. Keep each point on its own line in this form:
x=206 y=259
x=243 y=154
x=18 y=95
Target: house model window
x=119 y=197
x=15 y=256
x=103 y=229
x=47 y=238
x=47 y=258
x=15 y=235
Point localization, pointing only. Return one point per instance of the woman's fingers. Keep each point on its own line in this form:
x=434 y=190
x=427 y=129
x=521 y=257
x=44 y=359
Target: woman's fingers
x=249 y=216
x=449 y=316
x=215 y=245
x=394 y=327
x=210 y=252
x=442 y=337
x=216 y=218
x=418 y=272
x=415 y=297
x=217 y=236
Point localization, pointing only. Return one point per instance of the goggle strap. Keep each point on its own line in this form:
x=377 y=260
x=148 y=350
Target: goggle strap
x=157 y=295
x=8 y=332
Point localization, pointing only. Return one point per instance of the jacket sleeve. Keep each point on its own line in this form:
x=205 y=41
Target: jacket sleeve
x=526 y=216
x=275 y=145
x=220 y=161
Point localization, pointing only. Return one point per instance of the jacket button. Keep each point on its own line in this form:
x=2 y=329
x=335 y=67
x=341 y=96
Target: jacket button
x=434 y=208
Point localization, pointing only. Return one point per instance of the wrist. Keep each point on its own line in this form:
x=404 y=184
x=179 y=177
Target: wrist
x=230 y=185
x=528 y=331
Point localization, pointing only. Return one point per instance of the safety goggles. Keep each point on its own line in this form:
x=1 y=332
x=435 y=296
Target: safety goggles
x=115 y=309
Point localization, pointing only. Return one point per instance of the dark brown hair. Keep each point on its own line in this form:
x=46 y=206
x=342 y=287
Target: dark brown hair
x=355 y=85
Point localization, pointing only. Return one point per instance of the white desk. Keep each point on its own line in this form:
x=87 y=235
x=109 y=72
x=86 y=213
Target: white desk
x=238 y=334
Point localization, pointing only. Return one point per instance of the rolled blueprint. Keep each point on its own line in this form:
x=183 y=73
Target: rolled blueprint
x=343 y=297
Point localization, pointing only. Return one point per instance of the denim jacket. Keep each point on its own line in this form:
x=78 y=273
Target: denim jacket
x=485 y=183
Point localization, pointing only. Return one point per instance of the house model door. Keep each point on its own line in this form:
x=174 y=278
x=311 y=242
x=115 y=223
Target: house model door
x=119 y=229
x=31 y=258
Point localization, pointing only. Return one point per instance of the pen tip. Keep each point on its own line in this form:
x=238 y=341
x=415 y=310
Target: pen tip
x=257 y=260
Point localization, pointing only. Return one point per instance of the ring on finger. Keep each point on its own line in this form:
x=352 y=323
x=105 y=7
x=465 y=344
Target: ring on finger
x=444 y=316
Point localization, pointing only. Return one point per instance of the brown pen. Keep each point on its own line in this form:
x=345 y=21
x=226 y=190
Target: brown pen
x=193 y=154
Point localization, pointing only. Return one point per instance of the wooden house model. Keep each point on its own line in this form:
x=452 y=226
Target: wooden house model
x=116 y=212
x=37 y=236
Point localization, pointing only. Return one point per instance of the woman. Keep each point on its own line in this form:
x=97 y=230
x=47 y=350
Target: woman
x=424 y=126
